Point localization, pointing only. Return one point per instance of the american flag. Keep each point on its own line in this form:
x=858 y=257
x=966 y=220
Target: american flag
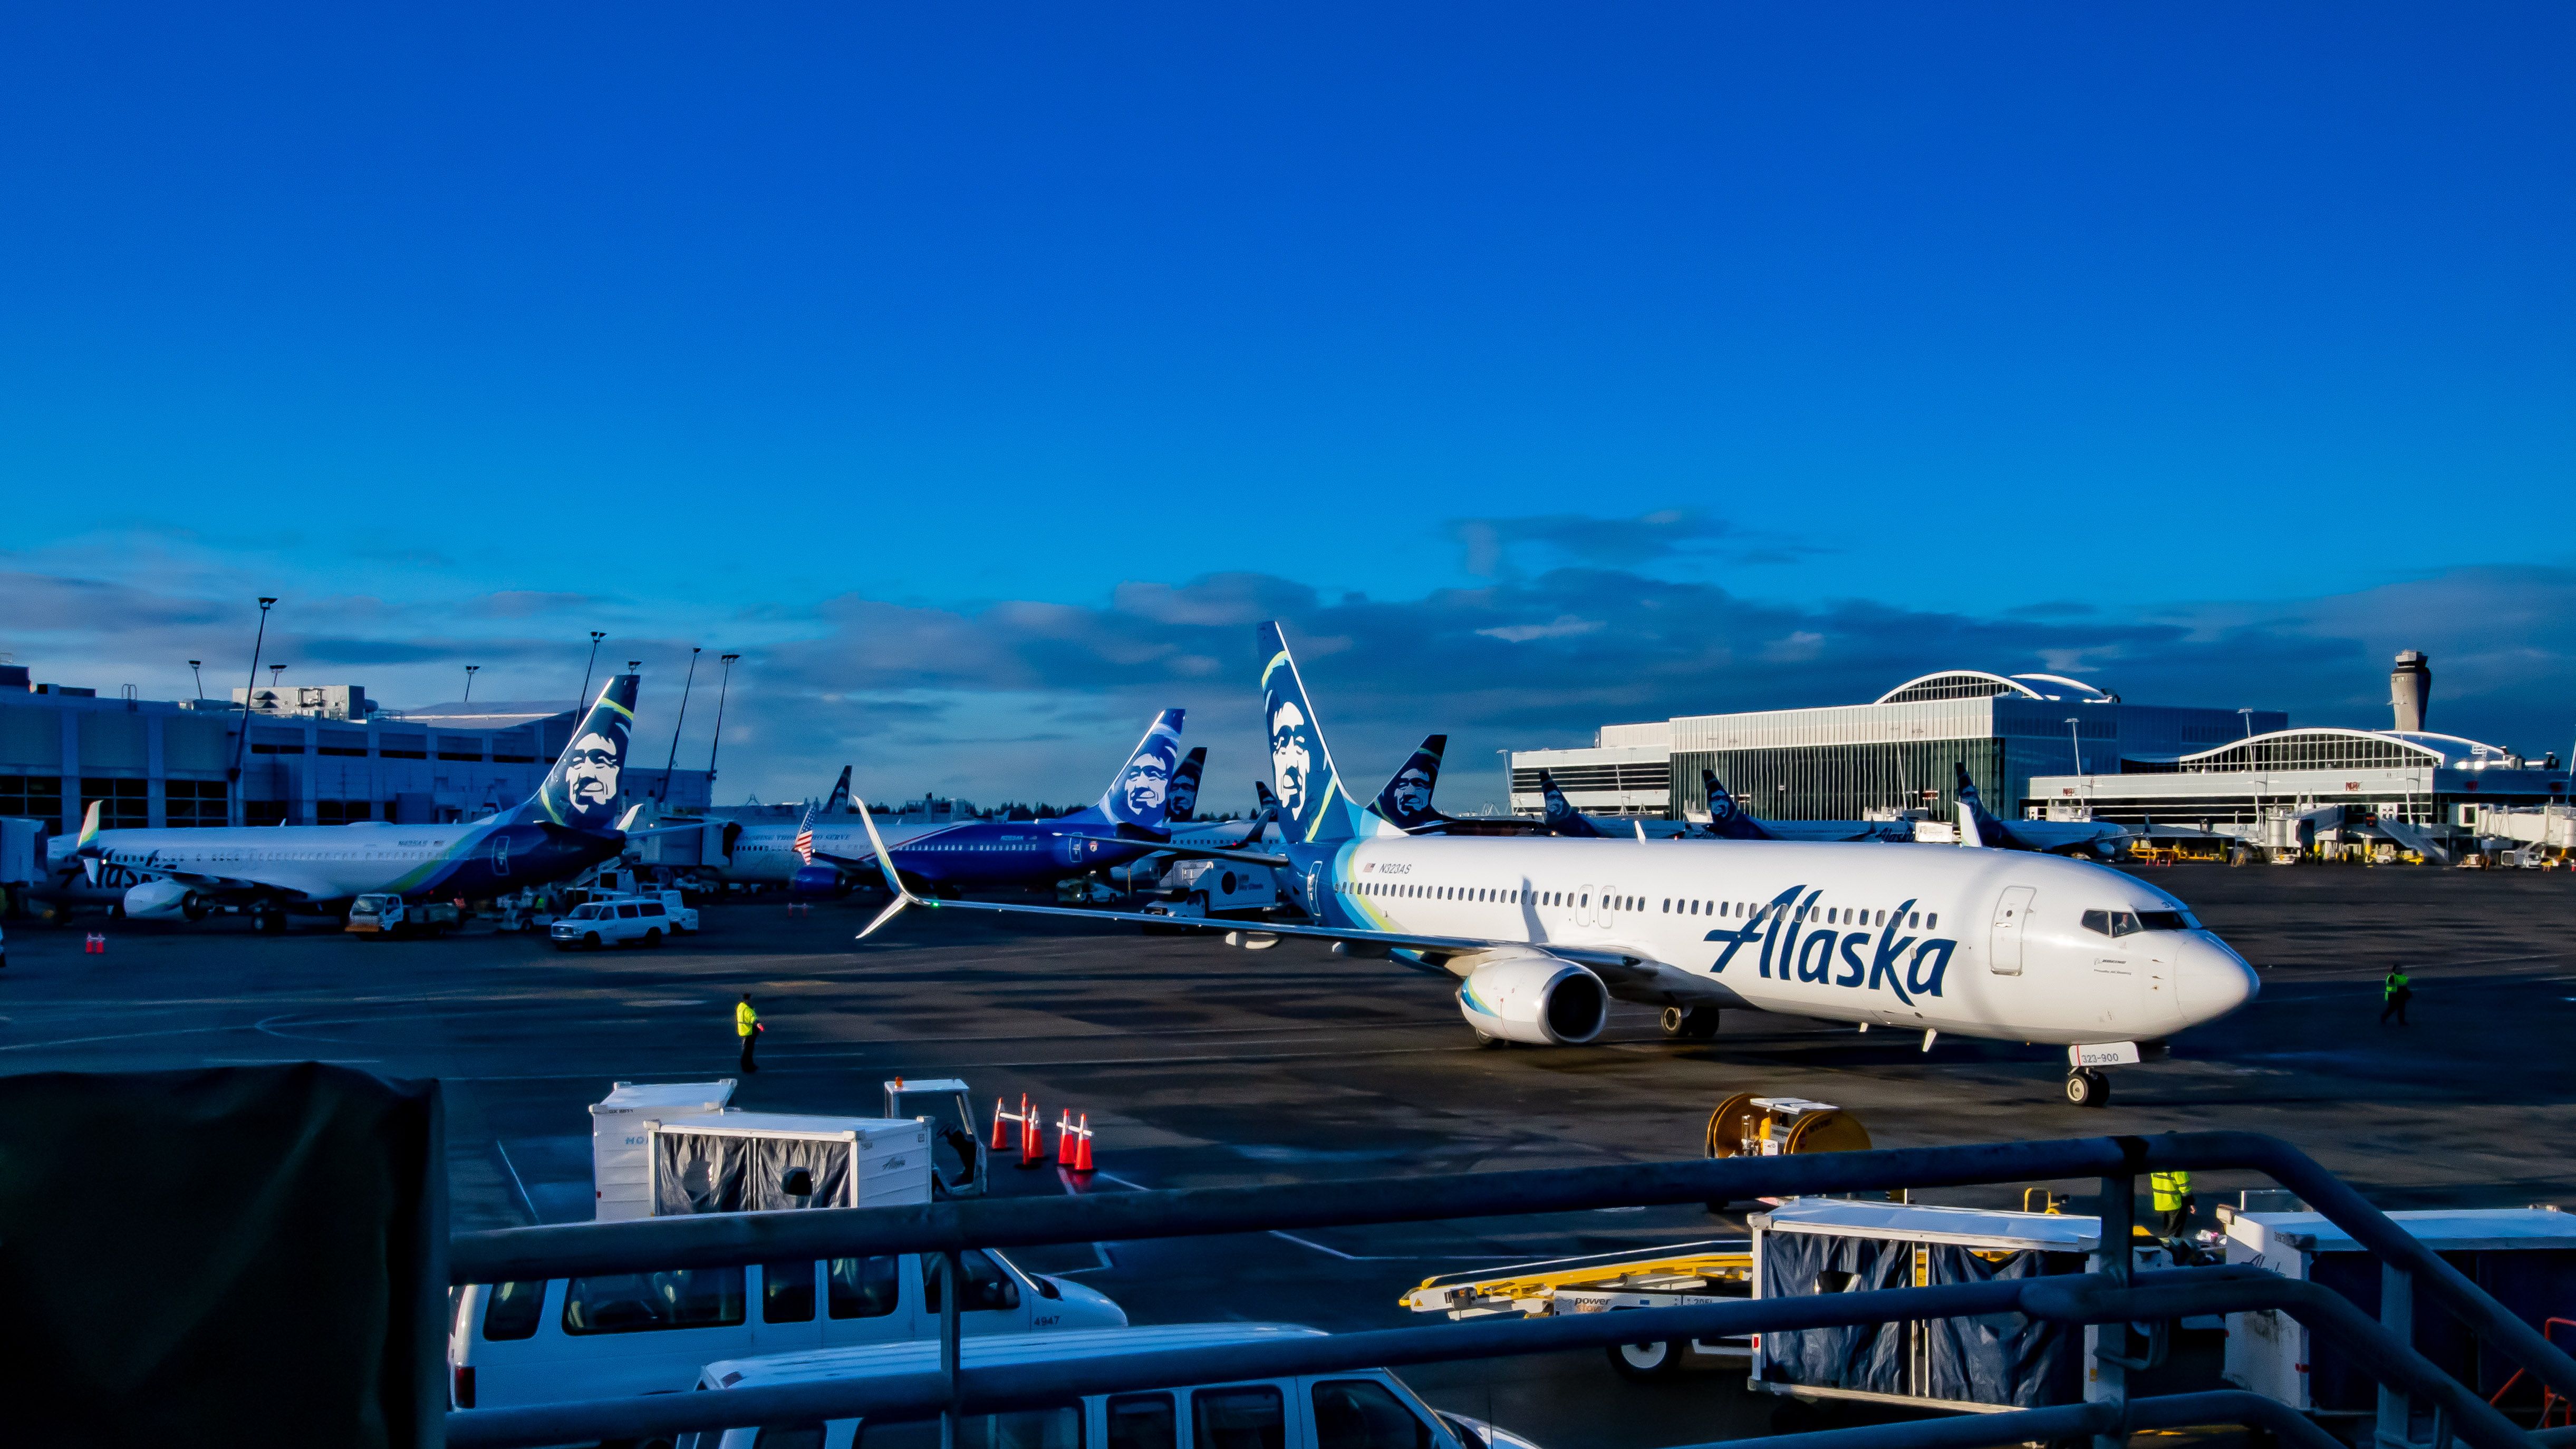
x=805 y=837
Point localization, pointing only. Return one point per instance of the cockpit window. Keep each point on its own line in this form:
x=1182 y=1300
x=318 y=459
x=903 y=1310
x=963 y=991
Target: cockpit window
x=2129 y=923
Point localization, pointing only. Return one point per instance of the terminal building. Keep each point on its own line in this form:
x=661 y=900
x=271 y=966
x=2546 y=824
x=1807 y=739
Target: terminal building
x=323 y=755
x=1895 y=753
x=2045 y=746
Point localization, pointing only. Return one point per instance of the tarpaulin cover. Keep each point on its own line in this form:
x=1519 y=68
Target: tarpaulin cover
x=713 y=1173
x=1867 y=1356
x=2001 y=1358
x=237 y=1255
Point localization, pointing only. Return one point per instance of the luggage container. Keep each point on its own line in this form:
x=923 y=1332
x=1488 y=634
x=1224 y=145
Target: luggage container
x=774 y=1161
x=2525 y=1258
x=620 y=1177
x=1985 y=1364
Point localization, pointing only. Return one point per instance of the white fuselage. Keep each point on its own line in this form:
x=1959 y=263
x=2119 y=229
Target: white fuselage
x=1988 y=943
x=323 y=862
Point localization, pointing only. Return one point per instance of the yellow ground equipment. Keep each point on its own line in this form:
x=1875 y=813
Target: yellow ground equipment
x=1745 y=1125
x=1712 y=1271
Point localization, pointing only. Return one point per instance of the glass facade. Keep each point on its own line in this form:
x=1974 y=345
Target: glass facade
x=192 y=804
x=128 y=802
x=1842 y=782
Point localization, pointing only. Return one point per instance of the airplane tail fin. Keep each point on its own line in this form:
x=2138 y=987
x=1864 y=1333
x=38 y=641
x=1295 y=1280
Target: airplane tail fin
x=1726 y=817
x=1977 y=825
x=89 y=826
x=582 y=789
x=1313 y=806
x=1561 y=816
x=1406 y=800
x=1141 y=791
x=1185 y=787
x=840 y=802
x=1262 y=798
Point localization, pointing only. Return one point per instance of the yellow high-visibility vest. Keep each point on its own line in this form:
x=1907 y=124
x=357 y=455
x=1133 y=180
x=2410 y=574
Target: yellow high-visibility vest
x=2170 y=1188
x=743 y=1018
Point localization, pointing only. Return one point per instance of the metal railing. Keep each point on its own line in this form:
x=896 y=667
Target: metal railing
x=2106 y=1299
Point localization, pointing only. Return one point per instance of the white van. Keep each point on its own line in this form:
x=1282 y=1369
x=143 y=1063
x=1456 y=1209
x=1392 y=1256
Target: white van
x=594 y=924
x=1358 y=1409
x=649 y=1333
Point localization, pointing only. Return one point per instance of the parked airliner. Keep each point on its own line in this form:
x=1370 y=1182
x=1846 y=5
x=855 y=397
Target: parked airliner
x=568 y=826
x=1126 y=823
x=1540 y=935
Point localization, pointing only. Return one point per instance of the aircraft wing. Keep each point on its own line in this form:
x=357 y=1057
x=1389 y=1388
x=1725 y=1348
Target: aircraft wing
x=1617 y=967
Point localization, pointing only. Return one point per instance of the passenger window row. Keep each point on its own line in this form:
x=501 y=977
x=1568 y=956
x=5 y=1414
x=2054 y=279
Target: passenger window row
x=1728 y=910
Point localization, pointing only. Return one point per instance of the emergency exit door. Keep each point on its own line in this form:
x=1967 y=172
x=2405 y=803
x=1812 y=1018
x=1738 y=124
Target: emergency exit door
x=2012 y=916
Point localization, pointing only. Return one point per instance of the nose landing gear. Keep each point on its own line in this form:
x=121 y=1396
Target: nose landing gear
x=2086 y=1087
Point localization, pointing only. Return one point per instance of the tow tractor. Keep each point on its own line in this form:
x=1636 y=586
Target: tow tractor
x=1673 y=1276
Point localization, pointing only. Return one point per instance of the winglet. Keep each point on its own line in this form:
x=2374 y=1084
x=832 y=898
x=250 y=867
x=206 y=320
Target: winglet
x=89 y=826
x=626 y=822
x=885 y=862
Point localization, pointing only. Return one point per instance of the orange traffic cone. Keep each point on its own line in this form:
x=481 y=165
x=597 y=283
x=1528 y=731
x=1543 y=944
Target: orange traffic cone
x=998 y=1115
x=1032 y=1138
x=1064 y=1140
x=1082 y=1154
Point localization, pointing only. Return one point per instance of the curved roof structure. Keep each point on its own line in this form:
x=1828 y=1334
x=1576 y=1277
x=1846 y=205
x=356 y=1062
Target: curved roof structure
x=2330 y=748
x=1980 y=684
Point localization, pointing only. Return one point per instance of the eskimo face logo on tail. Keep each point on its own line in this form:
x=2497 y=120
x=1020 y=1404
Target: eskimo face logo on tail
x=581 y=791
x=1142 y=790
x=1292 y=755
x=1182 y=800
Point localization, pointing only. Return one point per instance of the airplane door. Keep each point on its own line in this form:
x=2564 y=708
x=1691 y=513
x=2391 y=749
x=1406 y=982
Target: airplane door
x=2012 y=915
x=1587 y=909
x=1315 y=890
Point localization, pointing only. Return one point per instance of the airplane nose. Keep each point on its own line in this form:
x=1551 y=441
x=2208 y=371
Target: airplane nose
x=2216 y=981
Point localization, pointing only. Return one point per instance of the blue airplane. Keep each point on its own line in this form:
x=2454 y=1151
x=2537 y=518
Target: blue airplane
x=1127 y=823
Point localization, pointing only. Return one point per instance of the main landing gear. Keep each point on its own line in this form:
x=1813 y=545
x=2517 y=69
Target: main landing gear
x=2086 y=1087
x=1697 y=1023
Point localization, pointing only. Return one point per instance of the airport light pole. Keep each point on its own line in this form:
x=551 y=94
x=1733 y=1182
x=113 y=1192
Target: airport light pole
x=664 y=793
x=718 y=742
x=582 y=703
x=232 y=778
x=194 y=669
x=469 y=682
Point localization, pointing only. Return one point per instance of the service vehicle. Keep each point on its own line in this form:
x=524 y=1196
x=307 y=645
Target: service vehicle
x=648 y=1333
x=619 y=922
x=1677 y=1276
x=1358 y=1409
x=1216 y=888
x=381 y=915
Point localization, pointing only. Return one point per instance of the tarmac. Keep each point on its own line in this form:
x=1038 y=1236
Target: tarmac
x=1201 y=1064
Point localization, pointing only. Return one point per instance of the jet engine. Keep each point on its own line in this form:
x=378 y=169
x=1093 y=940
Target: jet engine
x=816 y=880
x=1534 y=998
x=163 y=899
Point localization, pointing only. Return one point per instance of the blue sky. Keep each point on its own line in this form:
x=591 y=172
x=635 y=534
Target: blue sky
x=2218 y=352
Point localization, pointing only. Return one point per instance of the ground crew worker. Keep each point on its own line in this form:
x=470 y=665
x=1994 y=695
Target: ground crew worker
x=2395 y=992
x=2173 y=1200
x=746 y=1024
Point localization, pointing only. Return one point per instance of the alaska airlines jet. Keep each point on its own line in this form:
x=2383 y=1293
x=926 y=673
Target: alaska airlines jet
x=569 y=825
x=1979 y=826
x=1540 y=935
x=1728 y=820
x=1125 y=824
